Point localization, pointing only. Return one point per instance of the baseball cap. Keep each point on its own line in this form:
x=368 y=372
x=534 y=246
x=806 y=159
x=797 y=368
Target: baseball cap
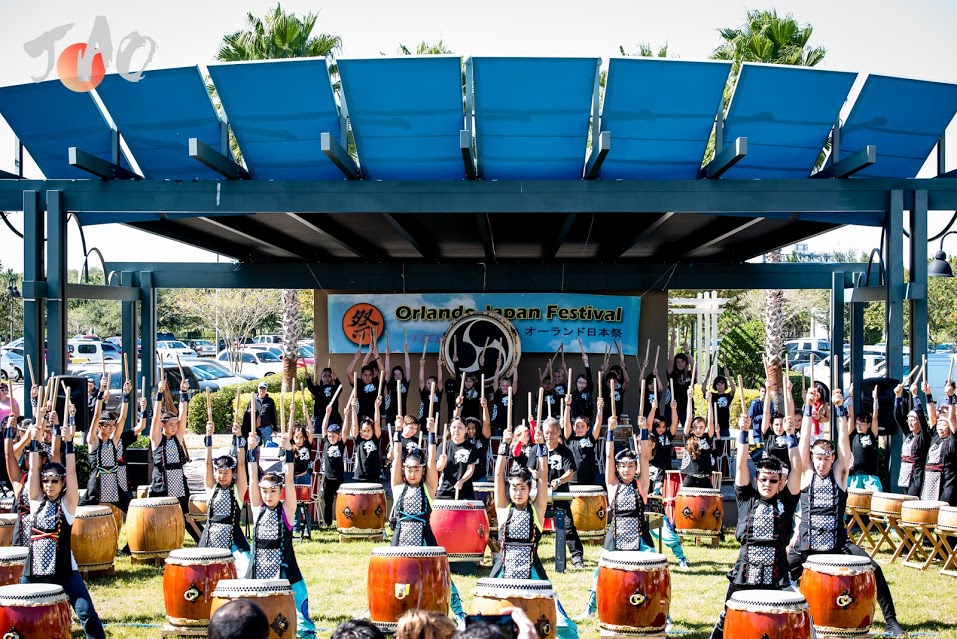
x=262 y=385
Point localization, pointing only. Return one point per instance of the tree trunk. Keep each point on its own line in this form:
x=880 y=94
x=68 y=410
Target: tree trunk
x=290 y=336
x=773 y=337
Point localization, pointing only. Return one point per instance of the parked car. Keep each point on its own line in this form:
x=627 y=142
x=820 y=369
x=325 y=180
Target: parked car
x=822 y=371
x=212 y=371
x=267 y=339
x=260 y=363
x=82 y=351
x=12 y=365
x=169 y=349
x=303 y=358
x=801 y=359
x=114 y=396
x=116 y=341
x=807 y=344
x=203 y=347
x=944 y=348
x=165 y=337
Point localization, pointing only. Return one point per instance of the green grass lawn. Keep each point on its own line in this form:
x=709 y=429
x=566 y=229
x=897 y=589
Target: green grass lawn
x=131 y=603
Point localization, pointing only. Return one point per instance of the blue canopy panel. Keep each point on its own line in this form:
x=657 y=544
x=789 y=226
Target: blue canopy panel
x=278 y=110
x=660 y=114
x=532 y=116
x=786 y=113
x=158 y=115
x=904 y=118
x=406 y=115
x=48 y=119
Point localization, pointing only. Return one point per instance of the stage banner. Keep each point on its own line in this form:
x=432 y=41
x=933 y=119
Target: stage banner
x=543 y=321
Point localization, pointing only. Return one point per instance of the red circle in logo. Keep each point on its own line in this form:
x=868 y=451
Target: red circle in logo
x=68 y=68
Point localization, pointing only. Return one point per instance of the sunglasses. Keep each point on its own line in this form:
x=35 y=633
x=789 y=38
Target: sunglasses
x=768 y=480
x=413 y=468
x=49 y=480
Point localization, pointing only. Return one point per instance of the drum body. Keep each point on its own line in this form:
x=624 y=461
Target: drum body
x=304 y=493
x=461 y=527
x=360 y=510
x=6 y=504
x=947 y=518
x=274 y=596
x=753 y=614
x=190 y=577
x=535 y=597
x=669 y=490
x=12 y=560
x=921 y=512
x=402 y=578
x=698 y=511
x=889 y=503
x=35 y=610
x=634 y=593
x=859 y=498
x=589 y=511
x=117 y=516
x=94 y=539
x=143 y=491
x=841 y=592
x=198 y=507
x=154 y=527
x=485 y=493
x=7 y=524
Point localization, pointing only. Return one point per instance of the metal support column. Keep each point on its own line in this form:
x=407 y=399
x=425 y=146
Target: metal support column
x=857 y=348
x=148 y=330
x=56 y=285
x=917 y=285
x=894 y=318
x=33 y=290
x=128 y=332
x=837 y=331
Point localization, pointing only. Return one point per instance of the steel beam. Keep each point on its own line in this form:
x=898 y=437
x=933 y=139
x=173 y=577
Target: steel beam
x=484 y=224
x=688 y=245
x=213 y=159
x=649 y=226
x=723 y=161
x=411 y=233
x=339 y=156
x=720 y=237
x=918 y=276
x=128 y=317
x=57 y=357
x=553 y=246
x=597 y=157
x=101 y=292
x=101 y=168
x=145 y=281
x=260 y=232
x=837 y=330
x=468 y=158
x=34 y=328
x=893 y=254
x=857 y=350
x=327 y=227
x=214 y=244
x=850 y=165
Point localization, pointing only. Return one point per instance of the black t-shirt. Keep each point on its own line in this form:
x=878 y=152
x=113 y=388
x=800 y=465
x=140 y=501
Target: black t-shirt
x=424 y=401
x=664 y=451
x=560 y=461
x=368 y=466
x=722 y=402
x=322 y=394
x=471 y=407
x=365 y=397
x=481 y=444
x=777 y=446
x=391 y=408
x=301 y=459
x=864 y=452
x=583 y=452
x=619 y=397
x=703 y=465
x=499 y=411
x=682 y=382
x=333 y=460
x=408 y=444
x=460 y=457
x=583 y=402
x=560 y=392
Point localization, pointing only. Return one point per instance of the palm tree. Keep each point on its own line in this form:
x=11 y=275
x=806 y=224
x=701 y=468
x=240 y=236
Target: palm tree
x=767 y=37
x=275 y=36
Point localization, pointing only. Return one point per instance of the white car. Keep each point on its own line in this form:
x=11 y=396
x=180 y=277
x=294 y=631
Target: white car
x=11 y=365
x=169 y=349
x=85 y=351
x=256 y=362
x=211 y=370
x=822 y=370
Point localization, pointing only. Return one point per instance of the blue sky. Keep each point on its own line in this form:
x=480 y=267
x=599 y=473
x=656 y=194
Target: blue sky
x=910 y=39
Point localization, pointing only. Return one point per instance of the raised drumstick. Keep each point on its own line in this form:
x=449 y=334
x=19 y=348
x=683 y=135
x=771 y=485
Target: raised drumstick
x=611 y=396
x=431 y=397
x=741 y=393
x=509 y=412
x=538 y=415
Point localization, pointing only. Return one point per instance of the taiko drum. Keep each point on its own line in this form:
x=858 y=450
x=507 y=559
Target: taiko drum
x=889 y=503
x=859 y=498
x=360 y=510
x=12 y=560
x=589 y=511
x=461 y=527
x=841 y=593
x=8 y=524
x=190 y=577
x=402 y=578
x=94 y=539
x=154 y=527
x=921 y=512
x=35 y=611
x=947 y=518
x=753 y=614
x=698 y=511
x=273 y=596
x=535 y=598
x=634 y=593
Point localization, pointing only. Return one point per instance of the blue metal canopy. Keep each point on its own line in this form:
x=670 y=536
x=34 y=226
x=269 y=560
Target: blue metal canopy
x=903 y=117
x=786 y=113
x=158 y=115
x=532 y=116
x=406 y=115
x=660 y=114
x=278 y=110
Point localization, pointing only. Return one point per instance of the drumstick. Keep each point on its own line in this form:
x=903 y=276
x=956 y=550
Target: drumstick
x=508 y=419
x=235 y=409
x=618 y=348
x=541 y=398
x=252 y=413
x=924 y=363
x=282 y=405
x=914 y=371
x=102 y=366
x=180 y=367
x=302 y=399
x=647 y=352
x=599 y=383
x=398 y=398
x=66 y=403
x=456 y=493
x=563 y=357
x=420 y=439
x=671 y=387
x=657 y=352
x=741 y=393
x=611 y=396
x=529 y=403
x=482 y=387
x=462 y=386
x=388 y=349
x=425 y=346
x=548 y=410
x=143 y=392
x=126 y=368
x=484 y=348
x=641 y=399
x=431 y=398
x=568 y=380
x=455 y=348
x=950 y=371
x=33 y=379
x=209 y=405
x=581 y=347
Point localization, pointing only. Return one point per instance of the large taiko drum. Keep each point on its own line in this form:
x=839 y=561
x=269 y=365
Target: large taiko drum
x=190 y=577
x=698 y=511
x=12 y=560
x=859 y=498
x=199 y=507
x=889 y=503
x=536 y=598
x=273 y=596
x=154 y=527
x=947 y=518
x=8 y=523
x=35 y=611
x=634 y=593
x=921 y=512
x=360 y=511
x=485 y=493
x=94 y=539
x=842 y=594
x=402 y=578
x=304 y=493
x=589 y=511
x=753 y=614
x=461 y=527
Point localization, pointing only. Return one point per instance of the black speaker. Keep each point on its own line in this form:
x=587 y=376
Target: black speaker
x=886 y=422
x=76 y=384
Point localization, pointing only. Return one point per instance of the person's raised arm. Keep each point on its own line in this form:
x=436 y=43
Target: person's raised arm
x=124 y=410
x=348 y=419
x=624 y=375
x=689 y=415
x=377 y=426
x=91 y=439
x=731 y=387
x=459 y=402
x=673 y=429
x=72 y=496
x=501 y=489
x=712 y=416
x=650 y=419
x=210 y=480
x=644 y=461
x=742 y=476
x=921 y=417
x=395 y=446
x=497 y=375
x=289 y=503
x=36 y=433
x=422 y=373
x=183 y=409
x=325 y=422
x=143 y=414
x=842 y=462
x=567 y=417
x=670 y=365
x=486 y=418
x=610 y=478
x=541 y=498
x=9 y=456
x=874 y=425
x=408 y=362
x=766 y=416
x=432 y=473
x=252 y=459
x=804 y=444
x=596 y=427
x=242 y=477
x=352 y=365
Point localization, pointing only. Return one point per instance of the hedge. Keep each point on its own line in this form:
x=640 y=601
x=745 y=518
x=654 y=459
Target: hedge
x=224 y=400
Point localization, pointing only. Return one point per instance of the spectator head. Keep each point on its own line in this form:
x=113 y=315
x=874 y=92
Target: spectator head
x=357 y=629
x=238 y=619
x=423 y=624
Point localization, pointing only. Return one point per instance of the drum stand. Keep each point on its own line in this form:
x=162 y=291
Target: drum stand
x=947 y=551
x=917 y=534
x=884 y=525
x=857 y=517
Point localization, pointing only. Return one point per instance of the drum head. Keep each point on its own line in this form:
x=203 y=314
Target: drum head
x=632 y=560
x=699 y=492
x=154 y=502
x=7 y=519
x=84 y=512
x=352 y=489
x=838 y=564
x=193 y=556
x=519 y=588
x=861 y=491
x=13 y=555
x=925 y=505
x=768 y=601
x=457 y=504
x=586 y=491
x=31 y=595
x=483 y=486
x=235 y=588
x=409 y=551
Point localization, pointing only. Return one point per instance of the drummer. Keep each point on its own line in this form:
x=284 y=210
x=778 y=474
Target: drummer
x=225 y=484
x=581 y=440
x=107 y=483
x=273 y=555
x=15 y=442
x=456 y=464
x=368 y=465
x=823 y=502
x=302 y=472
x=863 y=471
x=333 y=457
x=916 y=440
x=940 y=470
x=697 y=463
x=53 y=500
x=765 y=521
x=479 y=434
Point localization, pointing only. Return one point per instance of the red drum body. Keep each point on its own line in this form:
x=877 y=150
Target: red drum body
x=536 y=598
x=34 y=611
x=12 y=560
x=402 y=578
x=361 y=510
x=461 y=527
x=589 y=511
x=753 y=614
x=698 y=511
x=842 y=594
x=190 y=577
x=485 y=493
x=669 y=491
x=274 y=596
x=304 y=493
x=634 y=593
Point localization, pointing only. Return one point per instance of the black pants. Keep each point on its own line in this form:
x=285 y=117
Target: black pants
x=330 y=487
x=572 y=541
x=884 y=599
x=718 y=632
x=697 y=482
x=191 y=526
